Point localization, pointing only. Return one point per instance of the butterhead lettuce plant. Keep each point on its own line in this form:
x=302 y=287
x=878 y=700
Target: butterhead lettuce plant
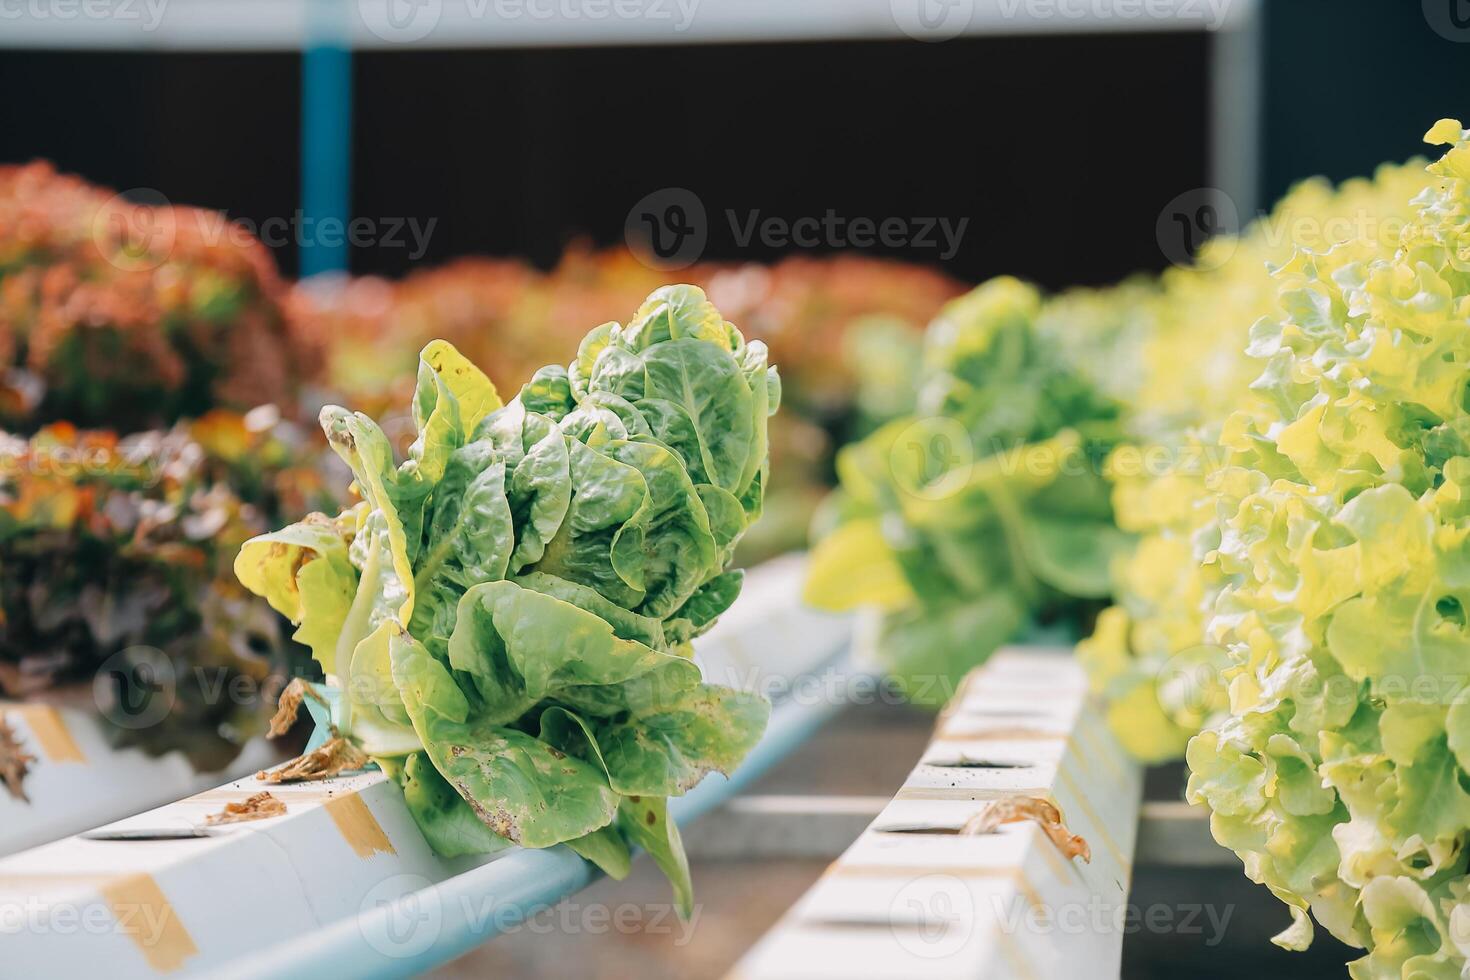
x=508 y=612
x=986 y=510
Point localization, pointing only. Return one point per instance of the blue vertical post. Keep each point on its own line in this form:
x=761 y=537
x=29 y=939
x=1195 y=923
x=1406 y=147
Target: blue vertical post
x=326 y=138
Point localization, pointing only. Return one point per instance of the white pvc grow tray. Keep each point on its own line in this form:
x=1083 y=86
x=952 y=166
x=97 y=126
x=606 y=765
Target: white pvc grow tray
x=80 y=780
x=913 y=899
x=343 y=884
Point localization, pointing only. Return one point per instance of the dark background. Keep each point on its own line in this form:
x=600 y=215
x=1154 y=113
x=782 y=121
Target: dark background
x=1061 y=151
x=1353 y=83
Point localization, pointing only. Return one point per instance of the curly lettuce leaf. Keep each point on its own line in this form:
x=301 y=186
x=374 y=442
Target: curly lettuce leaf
x=1336 y=771
x=1220 y=316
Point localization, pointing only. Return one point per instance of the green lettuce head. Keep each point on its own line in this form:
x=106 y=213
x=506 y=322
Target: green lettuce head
x=508 y=612
x=985 y=511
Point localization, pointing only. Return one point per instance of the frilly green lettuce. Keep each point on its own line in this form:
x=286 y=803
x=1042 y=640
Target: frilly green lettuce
x=1339 y=773
x=508 y=611
x=1187 y=337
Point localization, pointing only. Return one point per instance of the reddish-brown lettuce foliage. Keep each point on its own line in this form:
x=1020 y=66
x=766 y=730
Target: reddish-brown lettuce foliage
x=132 y=339
x=125 y=315
x=116 y=583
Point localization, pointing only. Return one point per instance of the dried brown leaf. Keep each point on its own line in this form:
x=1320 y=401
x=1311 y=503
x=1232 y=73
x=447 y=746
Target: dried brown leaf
x=258 y=807
x=15 y=762
x=288 y=706
x=1043 y=812
x=332 y=758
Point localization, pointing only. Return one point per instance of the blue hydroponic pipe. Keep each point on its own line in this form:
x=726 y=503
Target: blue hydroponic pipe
x=326 y=139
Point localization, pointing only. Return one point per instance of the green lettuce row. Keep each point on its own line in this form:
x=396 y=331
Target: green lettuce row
x=1340 y=773
x=984 y=512
x=508 y=612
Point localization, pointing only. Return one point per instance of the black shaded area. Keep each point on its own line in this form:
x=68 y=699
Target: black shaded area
x=1058 y=150
x=1185 y=942
x=1352 y=84
x=1213 y=922
x=210 y=130
x=1165 y=782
